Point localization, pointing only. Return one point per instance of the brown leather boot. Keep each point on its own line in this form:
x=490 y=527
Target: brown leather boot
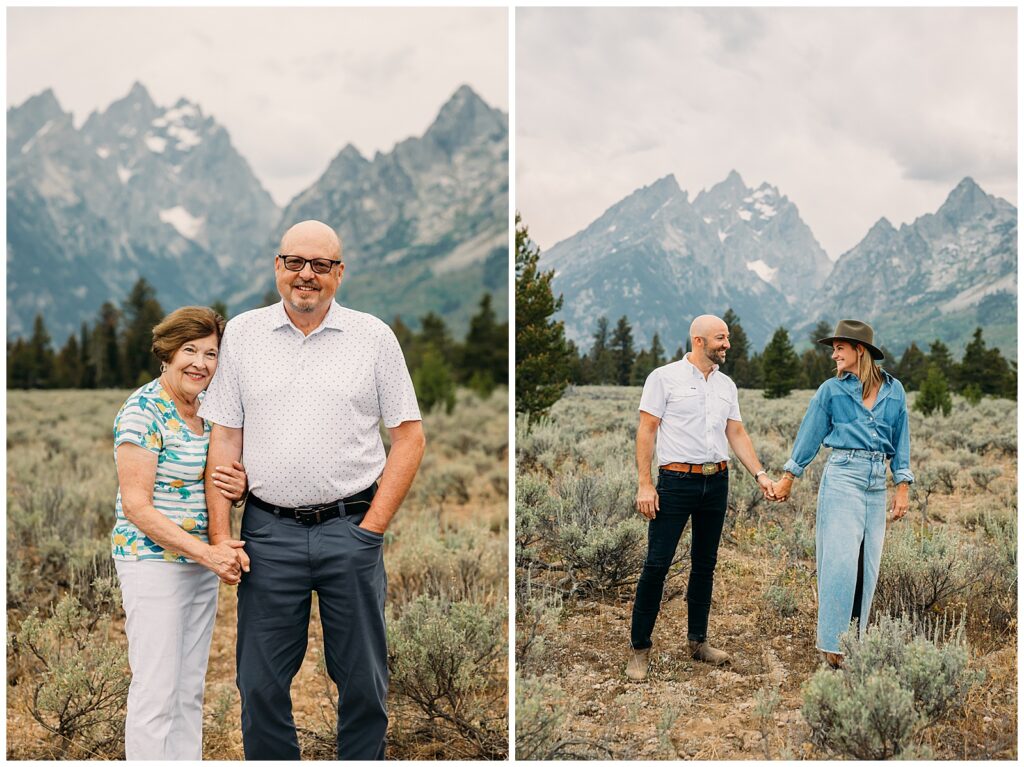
x=638 y=665
x=834 y=660
x=704 y=652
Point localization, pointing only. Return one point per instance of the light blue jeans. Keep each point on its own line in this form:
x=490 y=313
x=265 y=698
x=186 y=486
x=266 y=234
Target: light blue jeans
x=848 y=541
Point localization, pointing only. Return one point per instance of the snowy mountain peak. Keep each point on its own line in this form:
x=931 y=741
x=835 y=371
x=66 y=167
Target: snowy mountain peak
x=966 y=201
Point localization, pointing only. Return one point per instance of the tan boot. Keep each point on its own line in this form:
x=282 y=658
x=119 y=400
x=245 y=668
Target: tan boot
x=638 y=665
x=704 y=652
x=834 y=660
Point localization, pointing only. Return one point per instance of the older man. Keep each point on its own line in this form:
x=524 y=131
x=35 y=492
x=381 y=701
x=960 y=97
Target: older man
x=304 y=385
x=694 y=411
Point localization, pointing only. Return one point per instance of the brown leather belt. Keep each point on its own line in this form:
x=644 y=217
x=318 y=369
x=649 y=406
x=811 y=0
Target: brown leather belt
x=697 y=468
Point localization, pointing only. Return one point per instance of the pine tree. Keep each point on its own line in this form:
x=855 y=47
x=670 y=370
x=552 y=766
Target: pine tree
x=140 y=313
x=939 y=356
x=622 y=351
x=405 y=337
x=657 y=352
x=982 y=367
x=485 y=351
x=104 y=354
x=40 y=356
x=737 y=359
x=68 y=365
x=912 y=368
x=678 y=355
x=19 y=365
x=934 y=394
x=542 y=356
x=433 y=381
x=781 y=366
x=817 y=361
x=85 y=360
x=601 y=365
x=434 y=332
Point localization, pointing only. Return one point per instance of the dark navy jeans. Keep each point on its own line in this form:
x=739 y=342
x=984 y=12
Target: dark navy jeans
x=344 y=564
x=682 y=497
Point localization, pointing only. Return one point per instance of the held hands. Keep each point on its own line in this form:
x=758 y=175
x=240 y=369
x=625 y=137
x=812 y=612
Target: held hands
x=231 y=481
x=901 y=501
x=780 y=489
x=227 y=560
x=647 y=501
x=767 y=487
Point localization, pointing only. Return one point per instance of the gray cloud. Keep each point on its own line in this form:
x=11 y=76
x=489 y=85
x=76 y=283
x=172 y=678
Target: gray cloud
x=854 y=113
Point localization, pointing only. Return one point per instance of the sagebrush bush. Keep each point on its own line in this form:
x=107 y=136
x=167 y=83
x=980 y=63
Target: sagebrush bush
x=540 y=717
x=443 y=656
x=896 y=680
x=79 y=677
x=920 y=571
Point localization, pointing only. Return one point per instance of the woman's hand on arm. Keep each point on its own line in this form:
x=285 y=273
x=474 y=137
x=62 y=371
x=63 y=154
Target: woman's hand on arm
x=231 y=481
x=136 y=475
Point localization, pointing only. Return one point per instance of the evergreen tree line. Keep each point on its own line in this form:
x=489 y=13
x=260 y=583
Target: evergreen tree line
x=614 y=359
x=115 y=351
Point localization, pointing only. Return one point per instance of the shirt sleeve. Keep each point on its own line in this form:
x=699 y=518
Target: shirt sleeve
x=137 y=424
x=396 y=396
x=734 y=408
x=813 y=429
x=654 y=397
x=899 y=464
x=222 y=402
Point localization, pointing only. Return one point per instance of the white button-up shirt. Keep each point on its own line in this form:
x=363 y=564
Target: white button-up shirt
x=693 y=412
x=311 y=406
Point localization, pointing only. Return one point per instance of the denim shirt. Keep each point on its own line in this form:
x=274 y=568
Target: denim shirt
x=837 y=418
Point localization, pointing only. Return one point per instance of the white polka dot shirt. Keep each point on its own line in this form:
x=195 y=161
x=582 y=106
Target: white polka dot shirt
x=311 y=406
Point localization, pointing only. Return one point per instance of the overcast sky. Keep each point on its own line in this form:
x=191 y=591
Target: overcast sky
x=292 y=86
x=854 y=114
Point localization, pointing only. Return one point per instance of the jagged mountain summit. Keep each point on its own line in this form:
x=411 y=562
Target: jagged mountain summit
x=938 y=277
x=660 y=260
x=657 y=259
x=424 y=226
x=160 y=192
x=139 y=190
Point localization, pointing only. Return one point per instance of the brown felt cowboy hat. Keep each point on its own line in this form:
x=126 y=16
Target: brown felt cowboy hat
x=856 y=331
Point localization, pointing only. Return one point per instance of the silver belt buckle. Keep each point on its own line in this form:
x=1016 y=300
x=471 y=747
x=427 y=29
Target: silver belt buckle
x=708 y=469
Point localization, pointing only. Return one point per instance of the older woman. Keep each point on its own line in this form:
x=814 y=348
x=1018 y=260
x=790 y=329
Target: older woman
x=862 y=415
x=168 y=570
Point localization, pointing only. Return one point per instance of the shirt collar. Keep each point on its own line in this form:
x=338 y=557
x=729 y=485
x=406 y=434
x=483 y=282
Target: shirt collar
x=695 y=371
x=851 y=384
x=333 y=319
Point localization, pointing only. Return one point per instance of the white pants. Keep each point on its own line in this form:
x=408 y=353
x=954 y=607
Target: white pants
x=170 y=608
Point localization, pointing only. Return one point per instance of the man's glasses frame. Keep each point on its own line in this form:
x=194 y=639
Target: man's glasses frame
x=298 y=263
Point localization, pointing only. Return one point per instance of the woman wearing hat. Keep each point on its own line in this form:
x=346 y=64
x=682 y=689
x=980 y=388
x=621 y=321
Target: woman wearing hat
x=862 y=415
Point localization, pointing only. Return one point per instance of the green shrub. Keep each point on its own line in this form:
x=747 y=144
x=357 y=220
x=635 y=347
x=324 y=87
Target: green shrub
x=434 y=383
x=781 y=600
x=81 y=676
x=972 y=393
x=920 y=571
x=896 y=681
x=934 y=394
x=447 y=657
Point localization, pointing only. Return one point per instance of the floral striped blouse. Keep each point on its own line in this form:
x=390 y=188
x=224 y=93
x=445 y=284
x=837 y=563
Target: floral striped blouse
x=150 y=420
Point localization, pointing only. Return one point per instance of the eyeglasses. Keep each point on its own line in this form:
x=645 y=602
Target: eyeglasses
x=298 y=263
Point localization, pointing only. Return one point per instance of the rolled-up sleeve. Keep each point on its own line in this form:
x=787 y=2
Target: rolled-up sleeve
x=899 y=464
x=813 y=429
x=396 y=395
x=222 y=402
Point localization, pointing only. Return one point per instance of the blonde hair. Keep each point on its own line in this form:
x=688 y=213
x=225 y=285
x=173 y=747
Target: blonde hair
x=868 y=372
x=188 y=323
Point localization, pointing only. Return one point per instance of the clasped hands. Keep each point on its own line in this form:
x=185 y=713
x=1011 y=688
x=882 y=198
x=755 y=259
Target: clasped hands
x=227 y=560
x=775 y=490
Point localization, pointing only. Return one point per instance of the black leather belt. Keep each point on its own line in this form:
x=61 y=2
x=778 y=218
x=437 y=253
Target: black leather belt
x=315 y=514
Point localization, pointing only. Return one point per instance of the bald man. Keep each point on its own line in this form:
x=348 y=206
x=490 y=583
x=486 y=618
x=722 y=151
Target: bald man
x=303 y=386
x=693 y=410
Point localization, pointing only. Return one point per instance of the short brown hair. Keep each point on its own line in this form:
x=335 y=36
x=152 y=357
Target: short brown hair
x=188 y=323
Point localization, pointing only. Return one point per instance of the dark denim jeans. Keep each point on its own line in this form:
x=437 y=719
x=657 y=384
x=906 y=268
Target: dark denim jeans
x=682 y=497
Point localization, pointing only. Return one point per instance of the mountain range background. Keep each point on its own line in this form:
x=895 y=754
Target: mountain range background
x=142 y=190
x=660 y=259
